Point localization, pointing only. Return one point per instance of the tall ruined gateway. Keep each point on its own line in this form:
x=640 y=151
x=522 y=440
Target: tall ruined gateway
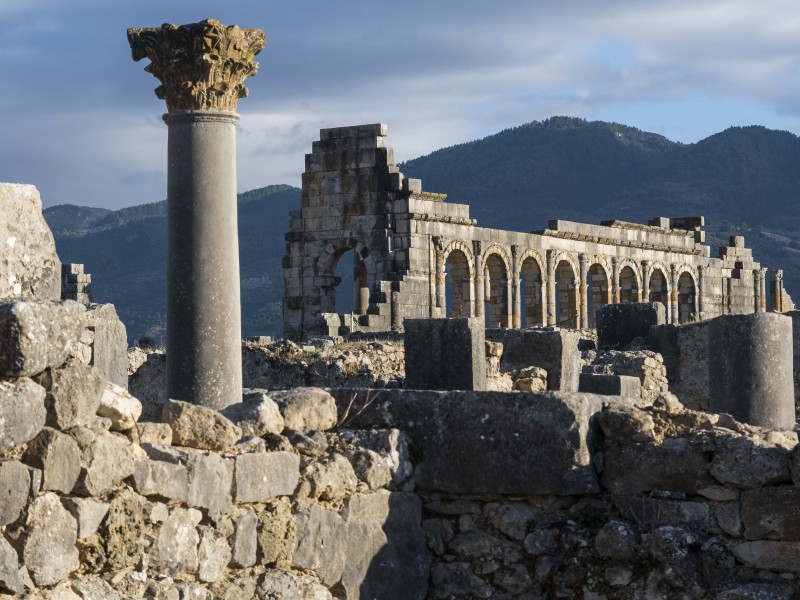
x=417 y=256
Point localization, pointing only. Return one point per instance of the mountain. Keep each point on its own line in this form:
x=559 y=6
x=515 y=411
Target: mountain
x=744 y=180
x=125 y=251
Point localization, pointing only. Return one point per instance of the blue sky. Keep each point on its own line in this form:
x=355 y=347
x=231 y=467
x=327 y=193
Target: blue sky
x=81 y=121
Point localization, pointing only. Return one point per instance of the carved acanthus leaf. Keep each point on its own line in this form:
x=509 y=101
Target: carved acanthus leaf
x=201 y=66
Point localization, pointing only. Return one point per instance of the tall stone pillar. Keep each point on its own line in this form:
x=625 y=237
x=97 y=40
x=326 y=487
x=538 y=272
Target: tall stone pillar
x=479 y=291
x=615 y=280
x=776 y=286
x=645 y=281
x=551 y=287
x=516 y=316
x=673 y=296
x=763 y=282
x=583 y=299
x=700 y=296
x=201 y=67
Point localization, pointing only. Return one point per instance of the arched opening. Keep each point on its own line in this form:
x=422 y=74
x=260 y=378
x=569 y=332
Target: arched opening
x=598 y=292
x=457 y=285
x=658 y=288
x=531 y=291
x=496 y=292
x=628 y=286
x=686 y=298
x=566 y=296
x=351 y=291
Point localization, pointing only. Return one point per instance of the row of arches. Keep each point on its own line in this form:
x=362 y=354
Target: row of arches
x=496 y=288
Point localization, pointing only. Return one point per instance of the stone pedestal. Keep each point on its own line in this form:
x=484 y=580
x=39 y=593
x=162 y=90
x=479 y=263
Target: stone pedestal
x=202 y=67
x=750 y=369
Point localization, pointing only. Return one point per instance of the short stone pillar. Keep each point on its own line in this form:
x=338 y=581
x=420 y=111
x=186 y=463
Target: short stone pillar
x=750 y=369
x=619 y=324
x=201 y=67
x=445 y=354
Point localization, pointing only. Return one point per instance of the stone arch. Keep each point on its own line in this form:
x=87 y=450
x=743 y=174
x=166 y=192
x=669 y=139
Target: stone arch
x=687 y=294
x=659 y=284
x=497 y=286
x=363 y=270
x=630 y=281
x=458 y=281
x=598 y=281
x=567 y=291
x=532 y=276
x=465 y=249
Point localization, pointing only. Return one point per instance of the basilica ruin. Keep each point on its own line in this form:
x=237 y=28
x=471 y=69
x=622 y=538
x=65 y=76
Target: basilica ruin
x=418 y=256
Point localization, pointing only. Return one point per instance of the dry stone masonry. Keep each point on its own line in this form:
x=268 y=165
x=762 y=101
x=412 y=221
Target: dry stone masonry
x=417 y=256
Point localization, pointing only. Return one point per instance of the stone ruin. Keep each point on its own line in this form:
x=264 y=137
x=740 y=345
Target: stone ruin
x=295 y=492
x=417 y=256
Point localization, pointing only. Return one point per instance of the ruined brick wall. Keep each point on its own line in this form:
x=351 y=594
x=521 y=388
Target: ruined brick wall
x=418 y=256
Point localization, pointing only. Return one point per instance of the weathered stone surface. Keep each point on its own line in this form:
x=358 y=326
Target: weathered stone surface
x=445 y=354
x=210 y=483
x=276 y=533
x=29 y=265
x=616 y=540
x=161 y=480
x=213 y=555
x=260 y=477
x=59 y=458
x=199 y=426
x=773 y=556
x=15 y=487
x=49 y=550
x=152 y=433
x=278 y=584
x=626 y=423
x=513 y=519
x=175 y=549
x=747 y=462
x=758 y=591
x=371 y=468
x=119 y=406
x=728 y=515
x=771 y=513
x=256 y=415
x=105 y=460
x=672 y=466
x=610 y=385
x=244 y=543
x=332 y=478
x=73 y=394
x=306 y=408
x=109 y=343
x=391 y=445
x=321 y=545
x=88 y=512
x=386 y=553
x=36 y=335
x=22 y=411
x=456 y=580
x=123 y=528
x=94 y=588
x=10 y=578
x=491 y=442
x=668 y=544
x=619 y=324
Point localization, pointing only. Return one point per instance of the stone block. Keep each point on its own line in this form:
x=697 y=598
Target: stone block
x=110 y=347
x=22 y=411
x=210 y=483
x=771 y=513
x=213 y=556
x=331 y=478
x=73 y=394
x=769 y=555
x=673 y=466
x=174 y=551
x=15 y=487
x=119 y=406
x=161 y=480
x=245 y=541
x=610 y=385
x=260 y=477
x=445 y=354
x=36 y=335
x=619 y=324
x=29 y=264
x=48 y=550
x=747 y=462
x=199 y=427
x=321 y=545
x=490 y=442
x=105 y=460
x=10 y=577
x=276 y=532
x=306 y=408
x=256 y=415
x=758 y=591
x=750 y=370
x=684 y=349
x=58 y=456
x=554 y=350
x=88 y=512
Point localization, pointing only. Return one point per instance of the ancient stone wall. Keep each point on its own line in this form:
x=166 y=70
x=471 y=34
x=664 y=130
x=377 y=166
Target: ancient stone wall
x=417 y=256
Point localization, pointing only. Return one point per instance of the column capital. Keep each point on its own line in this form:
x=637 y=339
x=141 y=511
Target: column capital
x=201 y=66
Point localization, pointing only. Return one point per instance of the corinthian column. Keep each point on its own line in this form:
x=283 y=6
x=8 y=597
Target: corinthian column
x=201 y=68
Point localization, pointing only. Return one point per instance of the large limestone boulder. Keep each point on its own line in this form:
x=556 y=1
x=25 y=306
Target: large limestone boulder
x=36 y=335
x=29 y=265
x=199 y=427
